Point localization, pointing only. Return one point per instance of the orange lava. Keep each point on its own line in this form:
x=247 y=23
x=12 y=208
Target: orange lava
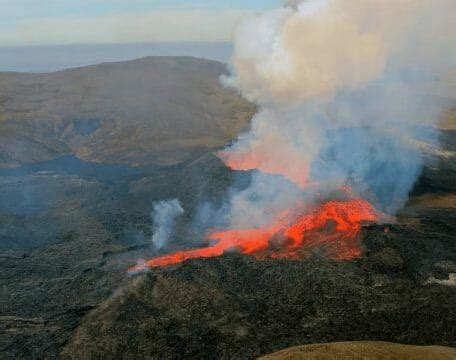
x=331 y=228
x=251 y=161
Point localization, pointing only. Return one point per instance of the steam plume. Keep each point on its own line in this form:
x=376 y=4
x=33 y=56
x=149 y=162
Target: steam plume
x=347 y=91
x=164 y=216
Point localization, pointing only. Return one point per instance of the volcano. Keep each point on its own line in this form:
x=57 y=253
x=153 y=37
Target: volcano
x=71 y=228
x=333 y=227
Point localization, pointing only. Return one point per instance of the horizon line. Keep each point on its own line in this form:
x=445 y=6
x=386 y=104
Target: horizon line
x=116 y=43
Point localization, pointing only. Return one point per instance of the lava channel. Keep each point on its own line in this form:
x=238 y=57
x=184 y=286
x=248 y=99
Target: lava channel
x=330 y=228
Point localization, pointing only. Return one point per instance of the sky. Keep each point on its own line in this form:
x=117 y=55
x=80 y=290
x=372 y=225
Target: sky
x=55 y=22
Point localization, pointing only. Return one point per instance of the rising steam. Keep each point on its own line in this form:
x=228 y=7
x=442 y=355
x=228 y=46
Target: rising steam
x=347 y=94
x=164 y=216
x=344 y=90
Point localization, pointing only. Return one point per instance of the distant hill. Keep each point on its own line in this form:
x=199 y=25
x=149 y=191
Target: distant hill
x=48 y=58
x=364 y=350
x=154 y=110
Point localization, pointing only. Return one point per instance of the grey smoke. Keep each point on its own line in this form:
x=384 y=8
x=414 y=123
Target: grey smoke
x=164 y=215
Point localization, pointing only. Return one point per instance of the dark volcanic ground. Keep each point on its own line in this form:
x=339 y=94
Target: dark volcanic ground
x=237 y=307
x=64 y=285
x=69 y=229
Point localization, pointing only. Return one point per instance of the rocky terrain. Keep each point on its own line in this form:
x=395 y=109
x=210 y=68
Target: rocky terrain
x=84 y=153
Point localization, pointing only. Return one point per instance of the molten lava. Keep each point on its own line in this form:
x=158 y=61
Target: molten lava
x=332 y=227
x=243 y=161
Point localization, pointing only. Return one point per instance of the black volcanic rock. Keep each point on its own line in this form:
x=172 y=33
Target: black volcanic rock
x=237 y=307
x=388 y=259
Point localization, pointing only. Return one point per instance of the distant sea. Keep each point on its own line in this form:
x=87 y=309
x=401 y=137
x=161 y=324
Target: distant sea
x=41 y=59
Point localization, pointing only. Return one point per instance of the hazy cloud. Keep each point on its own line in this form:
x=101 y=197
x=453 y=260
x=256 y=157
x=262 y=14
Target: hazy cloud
x=152 y=26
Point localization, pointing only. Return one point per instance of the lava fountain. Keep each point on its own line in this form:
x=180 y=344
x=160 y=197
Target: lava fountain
x=332 y=227
x=341 y=94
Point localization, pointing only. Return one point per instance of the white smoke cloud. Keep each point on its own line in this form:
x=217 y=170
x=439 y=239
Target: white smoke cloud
x=325 y=46
x=164 y=216
x=344 y=90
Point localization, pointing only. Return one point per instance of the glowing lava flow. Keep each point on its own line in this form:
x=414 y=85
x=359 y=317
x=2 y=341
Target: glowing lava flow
x=244 y=161
x=332 y=227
